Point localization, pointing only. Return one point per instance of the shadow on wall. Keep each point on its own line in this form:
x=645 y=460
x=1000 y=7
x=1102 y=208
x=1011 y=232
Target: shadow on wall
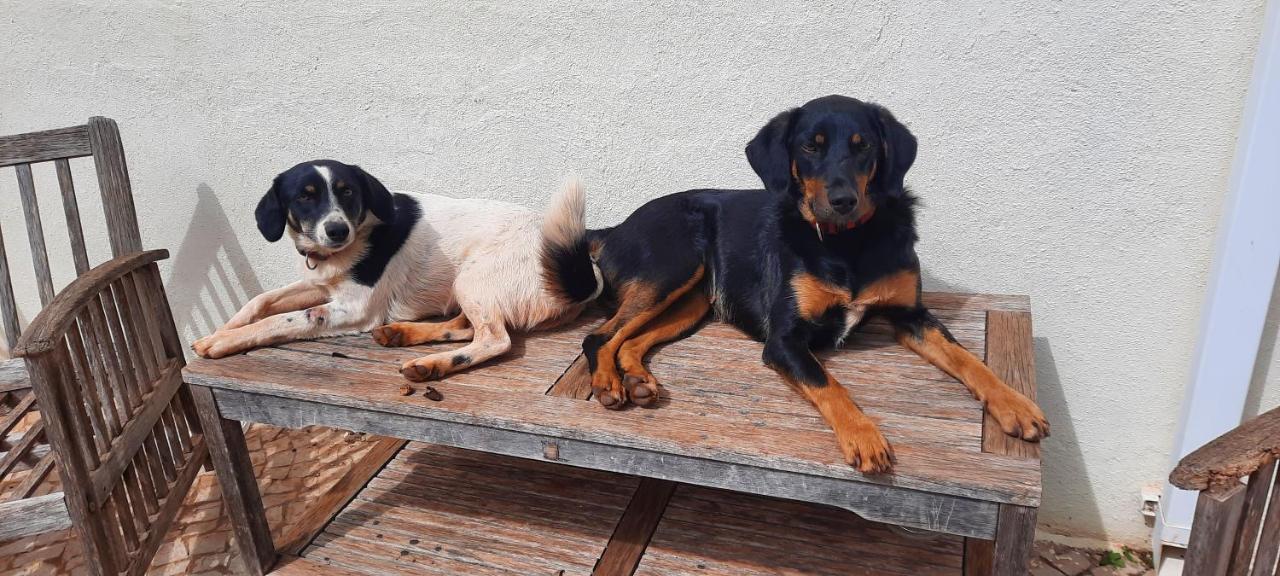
x=1266 y=360
x=1065 y=476
x=211 y=272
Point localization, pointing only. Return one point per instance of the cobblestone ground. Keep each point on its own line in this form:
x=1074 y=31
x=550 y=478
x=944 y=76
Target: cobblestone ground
x=293 y=468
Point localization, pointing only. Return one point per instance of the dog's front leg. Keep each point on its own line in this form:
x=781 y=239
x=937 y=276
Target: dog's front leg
x=331 y=319
x=861 y=442
x=296 y=296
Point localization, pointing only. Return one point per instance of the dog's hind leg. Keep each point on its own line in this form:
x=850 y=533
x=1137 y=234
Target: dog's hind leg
x=674 y=323
x=489 y=340
x=638 y=303
x=457 y=329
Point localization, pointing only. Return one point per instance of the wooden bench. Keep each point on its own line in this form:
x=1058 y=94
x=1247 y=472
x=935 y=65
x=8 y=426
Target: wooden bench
x=725 y=423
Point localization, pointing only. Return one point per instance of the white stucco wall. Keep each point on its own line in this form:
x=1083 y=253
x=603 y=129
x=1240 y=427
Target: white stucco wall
x=1074 y=151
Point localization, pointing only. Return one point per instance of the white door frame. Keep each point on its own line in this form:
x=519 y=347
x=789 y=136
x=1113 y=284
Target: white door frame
x=1240 y=284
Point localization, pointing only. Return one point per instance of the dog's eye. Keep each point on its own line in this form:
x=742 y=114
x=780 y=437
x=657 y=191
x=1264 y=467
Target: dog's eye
x=809 y=147
x=344 y=192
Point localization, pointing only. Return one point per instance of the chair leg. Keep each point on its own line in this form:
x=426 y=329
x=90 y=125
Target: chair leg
x=1010 y=553
x=230 y=457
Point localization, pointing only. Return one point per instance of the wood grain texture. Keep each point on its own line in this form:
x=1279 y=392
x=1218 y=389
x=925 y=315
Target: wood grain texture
x=440 y=510
x=631 y=537
x=13 y=375
x=741 y=416
x=42 y=146
x=113 y=183
x=53 y=384
x=135 y=432
x=33 y=516
x=8 y=305
x=917 y=509
x=1216 y=521
x=1269 y=538
x=35 y=232
x=709 y=532
x=71 y=211
x=1011 y=355
x=296 y=566
x=1251 y=519
x=230 y=458
x=1232 y=456
x=318 y=514
x=49 y=325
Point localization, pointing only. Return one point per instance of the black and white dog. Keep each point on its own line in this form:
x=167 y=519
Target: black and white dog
x=373 y=257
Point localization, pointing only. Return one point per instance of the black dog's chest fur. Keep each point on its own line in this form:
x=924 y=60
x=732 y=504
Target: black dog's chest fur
x=753 y=243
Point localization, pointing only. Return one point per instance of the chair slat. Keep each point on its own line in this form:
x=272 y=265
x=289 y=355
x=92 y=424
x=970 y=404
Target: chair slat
x=22 y=448
x=150 y=498
x=113 y=183
x=14 y=416
x=1269 y=541
x=8 y=306
x=84 y=392
x=1216 y=520
x=1255 y=503
x=71 y=209
x=108 y=381
x=135 y=432
x=35 y=232
x=35 y=477
x=35 y=147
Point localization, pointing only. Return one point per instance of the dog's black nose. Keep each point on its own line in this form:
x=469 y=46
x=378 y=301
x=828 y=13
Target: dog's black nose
x=843 y=203
x=336 y=231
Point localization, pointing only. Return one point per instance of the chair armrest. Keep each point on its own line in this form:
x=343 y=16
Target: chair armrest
x=1231 y=456
x=49 y=325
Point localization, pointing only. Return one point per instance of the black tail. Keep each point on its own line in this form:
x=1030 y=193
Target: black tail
x=568 y=269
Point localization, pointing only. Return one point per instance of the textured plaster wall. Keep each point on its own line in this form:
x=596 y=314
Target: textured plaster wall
x=1075 y=151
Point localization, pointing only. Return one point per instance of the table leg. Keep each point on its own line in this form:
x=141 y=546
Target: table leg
x=230 y=457
x=1010 y=553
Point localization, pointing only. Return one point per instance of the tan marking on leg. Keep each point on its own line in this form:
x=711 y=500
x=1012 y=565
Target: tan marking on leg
x=641 y=386
x=637 y=306
x=1018 y=415
x=457 y=329
x=860 y=440
x=814 y=296
x=897 y=289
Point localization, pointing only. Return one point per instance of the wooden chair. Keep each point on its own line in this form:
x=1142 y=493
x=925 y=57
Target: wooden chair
x=103 y=364
x=26 y=461
x=1235 y=530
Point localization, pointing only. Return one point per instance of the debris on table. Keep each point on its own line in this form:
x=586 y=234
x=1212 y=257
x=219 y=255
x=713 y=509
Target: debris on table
x=433 y=394
x=406 y=389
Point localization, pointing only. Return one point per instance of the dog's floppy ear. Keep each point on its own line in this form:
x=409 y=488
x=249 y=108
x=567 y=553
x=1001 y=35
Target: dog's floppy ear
x=768 y=153
x=376 y=197
x=897 y=152
x=270 y=213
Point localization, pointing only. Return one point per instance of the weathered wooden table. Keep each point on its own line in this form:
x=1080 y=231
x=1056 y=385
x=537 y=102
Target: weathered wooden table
x=725 y=422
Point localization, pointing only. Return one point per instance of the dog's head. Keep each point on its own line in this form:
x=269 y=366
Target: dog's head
x=837 y=156
x=324 y=203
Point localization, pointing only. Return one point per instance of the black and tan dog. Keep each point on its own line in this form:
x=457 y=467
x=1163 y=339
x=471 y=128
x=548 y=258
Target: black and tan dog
x=796 y=267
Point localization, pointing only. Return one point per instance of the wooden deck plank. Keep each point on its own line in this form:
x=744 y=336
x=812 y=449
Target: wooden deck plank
x=431 y=510
x=631 y=536
x=330 y=503
x=715 y=532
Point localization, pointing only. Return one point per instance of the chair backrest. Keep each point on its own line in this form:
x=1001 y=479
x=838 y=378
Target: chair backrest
x=99 y=138
x=1236 y=529
x=105 y=363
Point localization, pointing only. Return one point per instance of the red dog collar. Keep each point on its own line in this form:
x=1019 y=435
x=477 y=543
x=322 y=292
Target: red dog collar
x=833 y=229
